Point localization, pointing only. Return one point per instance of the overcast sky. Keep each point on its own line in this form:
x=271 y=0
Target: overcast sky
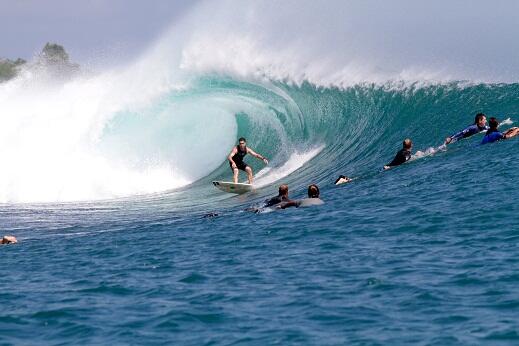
x=86 y=28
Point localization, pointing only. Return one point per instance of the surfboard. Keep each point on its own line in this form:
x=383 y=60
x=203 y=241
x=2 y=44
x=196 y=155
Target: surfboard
x=230 y=187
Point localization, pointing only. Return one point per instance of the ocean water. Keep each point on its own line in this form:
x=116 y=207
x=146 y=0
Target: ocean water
x=423 y=254
x=106 y=183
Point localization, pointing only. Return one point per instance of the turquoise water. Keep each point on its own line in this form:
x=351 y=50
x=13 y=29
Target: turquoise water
x=426 y=253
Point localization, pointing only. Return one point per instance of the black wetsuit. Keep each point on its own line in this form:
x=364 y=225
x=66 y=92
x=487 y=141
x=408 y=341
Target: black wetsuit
x=238 y=159
x=275 y=201
x=402 y=156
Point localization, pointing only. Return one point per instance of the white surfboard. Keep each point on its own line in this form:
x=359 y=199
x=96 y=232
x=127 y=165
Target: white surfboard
x=230 y=187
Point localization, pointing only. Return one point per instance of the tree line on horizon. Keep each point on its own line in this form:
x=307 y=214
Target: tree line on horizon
x=52 y=55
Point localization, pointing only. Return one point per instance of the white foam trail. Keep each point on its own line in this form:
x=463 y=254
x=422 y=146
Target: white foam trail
x=296 y=160
x=428 y=152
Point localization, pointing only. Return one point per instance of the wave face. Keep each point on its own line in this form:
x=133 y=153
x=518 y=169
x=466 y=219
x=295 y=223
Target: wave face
x=423 y=253
x=169 y=119
x=185 y=135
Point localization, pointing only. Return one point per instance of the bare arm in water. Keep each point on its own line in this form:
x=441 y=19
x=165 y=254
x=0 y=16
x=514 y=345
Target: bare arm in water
x=511 y=132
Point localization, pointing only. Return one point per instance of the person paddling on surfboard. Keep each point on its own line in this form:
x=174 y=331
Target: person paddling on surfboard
x=494 y=135
x=313 y=199
x=236 y=160
x=480 y=125
x=403 y=154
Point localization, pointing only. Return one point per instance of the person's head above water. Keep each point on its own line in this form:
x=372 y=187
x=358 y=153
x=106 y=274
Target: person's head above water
x=242 y=142
x=283 y=190
x=407 y=144
x=493 y=123
x=480 y=119
x=313 y=191
x=8 y=239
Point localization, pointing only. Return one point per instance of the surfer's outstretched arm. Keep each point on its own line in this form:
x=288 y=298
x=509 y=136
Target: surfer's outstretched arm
x=480 y=124
x=290 y=204
x=459 y=135
x=511 y=132
x=258 y=156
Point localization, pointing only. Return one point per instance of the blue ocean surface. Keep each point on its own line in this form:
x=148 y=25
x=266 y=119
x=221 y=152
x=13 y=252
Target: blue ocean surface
x=424 y=254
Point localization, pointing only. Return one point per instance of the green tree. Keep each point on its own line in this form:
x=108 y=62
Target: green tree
x=9 y=69
x=53 y=53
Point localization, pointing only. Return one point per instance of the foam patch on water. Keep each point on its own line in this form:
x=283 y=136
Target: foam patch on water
x=296 y=160
x=428 y=152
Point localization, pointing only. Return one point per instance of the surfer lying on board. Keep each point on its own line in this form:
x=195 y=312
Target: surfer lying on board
x=274 y=201
x=281 y=197
x=480 y=124
x=313 y=199
x=403 y=154
x=236 y=160
x=343 y=180
x=493 y=134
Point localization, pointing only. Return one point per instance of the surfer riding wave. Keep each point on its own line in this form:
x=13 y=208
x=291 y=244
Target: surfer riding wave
x=236 y=160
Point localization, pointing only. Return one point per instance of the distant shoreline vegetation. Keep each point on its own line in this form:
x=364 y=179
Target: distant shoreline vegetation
x=9 y=68
x=53 y=56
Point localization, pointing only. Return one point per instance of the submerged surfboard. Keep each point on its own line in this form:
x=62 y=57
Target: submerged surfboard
x=230 y=187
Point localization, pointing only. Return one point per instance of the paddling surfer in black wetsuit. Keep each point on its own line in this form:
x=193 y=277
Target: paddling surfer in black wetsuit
x=236 y=159
x=403 y=154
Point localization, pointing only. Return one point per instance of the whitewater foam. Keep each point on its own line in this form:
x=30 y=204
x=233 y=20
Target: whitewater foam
x=296 y=160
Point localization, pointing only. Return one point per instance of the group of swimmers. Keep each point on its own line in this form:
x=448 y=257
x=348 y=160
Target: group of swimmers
x=480 y=124
x=282 y=201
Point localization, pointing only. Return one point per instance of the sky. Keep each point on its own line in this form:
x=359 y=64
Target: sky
x=86 y=28
x=461 y=38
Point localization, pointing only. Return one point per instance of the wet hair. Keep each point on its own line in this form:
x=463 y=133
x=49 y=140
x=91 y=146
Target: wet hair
x=407 y=143
x=478 y=117
x=283 y=190
x=493 y=123
x=242 y=139
x=313 y=191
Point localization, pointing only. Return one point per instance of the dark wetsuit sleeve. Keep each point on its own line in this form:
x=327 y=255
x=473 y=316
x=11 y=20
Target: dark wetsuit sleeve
x=289 y=204
x=469 y=131
x=272 y=201
x=401 y=157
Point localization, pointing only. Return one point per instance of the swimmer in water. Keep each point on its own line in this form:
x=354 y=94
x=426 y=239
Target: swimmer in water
x=313 y=199
x=8 y=239
x=281 y=197
x=342 y=180
x=236 y=160
x=480 y=124
x=494 y=135
x=274 y=201
x=403 y=154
